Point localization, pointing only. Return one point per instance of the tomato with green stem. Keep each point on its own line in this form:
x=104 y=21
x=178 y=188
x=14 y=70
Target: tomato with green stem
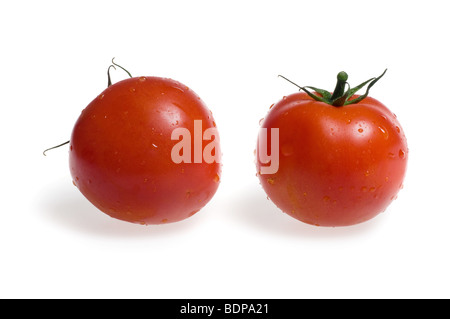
x=121 y=151
x=342 y=157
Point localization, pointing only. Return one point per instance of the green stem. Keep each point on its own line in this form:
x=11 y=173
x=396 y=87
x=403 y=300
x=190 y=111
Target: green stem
x=340 y=85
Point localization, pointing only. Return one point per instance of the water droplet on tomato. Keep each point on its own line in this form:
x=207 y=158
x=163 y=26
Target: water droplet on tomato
x=398 y=129
x=287 y=149
x=401 y=154
x=155 y=146
x=271 y=181
x=391 y=155
x=360 y=130
x=384 y=132
x=326 y=198
x=372 y=189
x=216 y=178
x=165 y=220
x=364 y=189
x=142 y=78
x=132 y=90
x=101 y=96
x=178 y=88
x=271 y=106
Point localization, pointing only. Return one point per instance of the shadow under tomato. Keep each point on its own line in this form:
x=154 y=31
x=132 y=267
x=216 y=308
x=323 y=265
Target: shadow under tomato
x=62 y=203
x=252 y=207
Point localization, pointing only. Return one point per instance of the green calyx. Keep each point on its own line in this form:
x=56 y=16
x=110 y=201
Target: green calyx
x=340 y=96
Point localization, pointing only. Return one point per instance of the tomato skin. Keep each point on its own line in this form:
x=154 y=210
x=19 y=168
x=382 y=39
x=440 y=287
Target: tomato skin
x=120 y=152
x=338 y=166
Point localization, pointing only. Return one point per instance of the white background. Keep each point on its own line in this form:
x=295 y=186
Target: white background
x=54 y=56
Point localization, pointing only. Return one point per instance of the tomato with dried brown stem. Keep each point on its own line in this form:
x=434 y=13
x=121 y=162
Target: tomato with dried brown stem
x=122 y=149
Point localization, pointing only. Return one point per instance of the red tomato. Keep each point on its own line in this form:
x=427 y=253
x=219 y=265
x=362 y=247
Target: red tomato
x=338 y=165
x=120 y=152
